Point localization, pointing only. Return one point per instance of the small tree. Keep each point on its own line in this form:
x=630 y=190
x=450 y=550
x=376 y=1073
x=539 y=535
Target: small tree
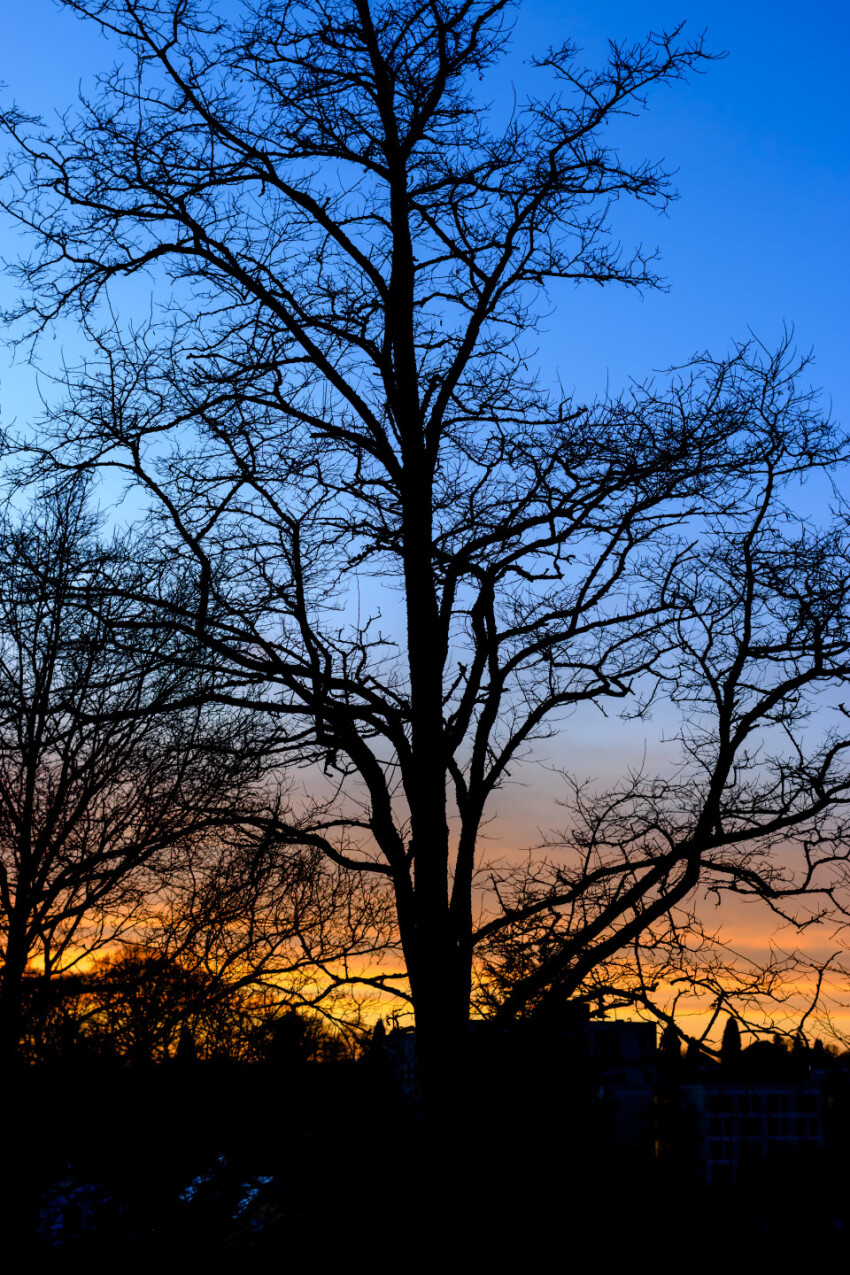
x=146 y=1008
x=240 y=912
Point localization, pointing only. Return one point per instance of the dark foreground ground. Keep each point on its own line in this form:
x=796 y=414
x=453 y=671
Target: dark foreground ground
x=325 y=1164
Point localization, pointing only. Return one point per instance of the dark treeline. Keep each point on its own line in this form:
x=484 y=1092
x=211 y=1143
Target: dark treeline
x=289 y=1147
x=137 y=1007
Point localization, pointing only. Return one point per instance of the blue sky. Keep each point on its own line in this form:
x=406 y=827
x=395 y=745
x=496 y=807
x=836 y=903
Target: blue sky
x=758 y=237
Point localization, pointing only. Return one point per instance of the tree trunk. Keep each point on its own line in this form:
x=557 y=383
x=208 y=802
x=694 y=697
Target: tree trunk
x=441 y=1001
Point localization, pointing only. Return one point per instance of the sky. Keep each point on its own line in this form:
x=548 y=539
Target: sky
x=756 y=241
x=758 y=237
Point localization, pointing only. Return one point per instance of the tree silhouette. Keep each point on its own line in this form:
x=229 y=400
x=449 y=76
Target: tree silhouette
x=240 y=913
x=142 y=1006
x=730 y=1045
x=98 y=789
x=671 y=1045
x=332 y=411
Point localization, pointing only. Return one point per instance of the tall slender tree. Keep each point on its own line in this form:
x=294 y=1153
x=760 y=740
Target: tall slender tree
x=730 y=1046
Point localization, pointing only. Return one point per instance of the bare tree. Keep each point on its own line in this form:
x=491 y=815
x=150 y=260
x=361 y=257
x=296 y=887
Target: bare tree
x=99 y=791
x=755 y=658
x=332 y=413
x=137 y=1004
x=239 y=911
